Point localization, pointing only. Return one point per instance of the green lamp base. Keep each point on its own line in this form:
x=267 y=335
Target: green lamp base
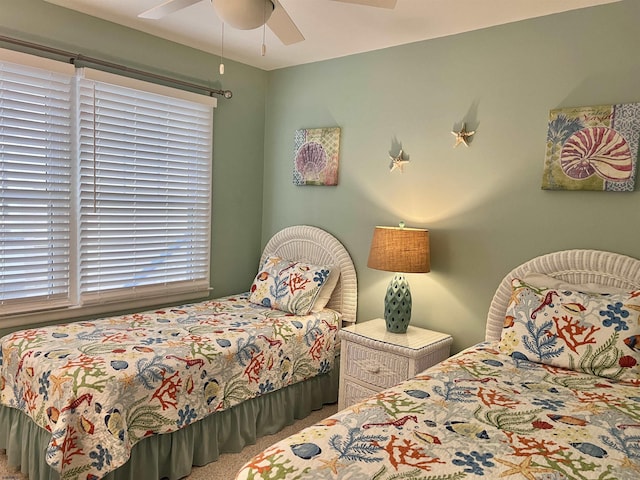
x=397 y=305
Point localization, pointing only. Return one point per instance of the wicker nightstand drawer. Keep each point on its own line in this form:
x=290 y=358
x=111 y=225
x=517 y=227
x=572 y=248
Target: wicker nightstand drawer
x=381 y=369
x=355 y=393
x=372 y=359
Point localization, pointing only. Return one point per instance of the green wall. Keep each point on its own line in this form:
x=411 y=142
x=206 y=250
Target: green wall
x=483 y=205
x=238 y=123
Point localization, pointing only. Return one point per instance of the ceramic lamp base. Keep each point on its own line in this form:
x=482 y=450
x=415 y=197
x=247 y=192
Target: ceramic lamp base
x=397 y=305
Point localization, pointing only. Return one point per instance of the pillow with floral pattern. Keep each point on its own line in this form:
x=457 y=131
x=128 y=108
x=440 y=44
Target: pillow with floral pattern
x=326 y=290
x=591 y=333
x=288 y=285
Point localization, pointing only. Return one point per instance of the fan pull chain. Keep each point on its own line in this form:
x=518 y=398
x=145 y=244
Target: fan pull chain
x=222 y=51
x=264 y=29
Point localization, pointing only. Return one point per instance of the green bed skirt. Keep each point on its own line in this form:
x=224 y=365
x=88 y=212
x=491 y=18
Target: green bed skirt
x=172 y=455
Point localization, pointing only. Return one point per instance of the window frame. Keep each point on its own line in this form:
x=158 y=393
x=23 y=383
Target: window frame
x=142 y=297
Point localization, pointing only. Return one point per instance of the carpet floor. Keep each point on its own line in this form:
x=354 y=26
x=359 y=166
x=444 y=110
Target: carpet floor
x=228 y=464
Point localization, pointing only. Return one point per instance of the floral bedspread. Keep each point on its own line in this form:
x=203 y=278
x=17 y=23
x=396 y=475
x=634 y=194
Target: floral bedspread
x=480 y=414
x=101 y=386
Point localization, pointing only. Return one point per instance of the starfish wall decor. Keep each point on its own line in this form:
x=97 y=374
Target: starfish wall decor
x=461 y=136
x=397 y=162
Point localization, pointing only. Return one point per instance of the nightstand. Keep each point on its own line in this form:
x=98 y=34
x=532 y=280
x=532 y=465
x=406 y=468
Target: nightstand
x=372 y=359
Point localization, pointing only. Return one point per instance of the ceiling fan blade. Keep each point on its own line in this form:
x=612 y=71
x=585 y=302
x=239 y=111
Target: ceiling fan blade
x=372 y=3
x=167 y=7
x=281 y=24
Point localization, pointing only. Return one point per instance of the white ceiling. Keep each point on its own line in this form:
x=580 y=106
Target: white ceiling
x=331 y=29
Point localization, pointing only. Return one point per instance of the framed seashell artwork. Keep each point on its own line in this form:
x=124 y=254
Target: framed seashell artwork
x=592 y=148
x=317 y=155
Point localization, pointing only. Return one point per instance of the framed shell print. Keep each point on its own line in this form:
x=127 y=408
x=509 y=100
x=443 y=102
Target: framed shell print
x=317 y=154
x=592 y=148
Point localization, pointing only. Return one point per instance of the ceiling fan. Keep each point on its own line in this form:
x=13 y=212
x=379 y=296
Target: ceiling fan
x=250 y=14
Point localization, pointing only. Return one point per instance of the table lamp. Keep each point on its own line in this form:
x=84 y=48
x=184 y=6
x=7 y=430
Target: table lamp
x=400 y=250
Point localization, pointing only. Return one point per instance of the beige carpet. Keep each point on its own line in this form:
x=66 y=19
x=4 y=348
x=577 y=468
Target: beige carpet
x=228 y=464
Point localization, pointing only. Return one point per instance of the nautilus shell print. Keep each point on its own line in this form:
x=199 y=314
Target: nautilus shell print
x=592 y=148
x=316 y=156
x=597 y=151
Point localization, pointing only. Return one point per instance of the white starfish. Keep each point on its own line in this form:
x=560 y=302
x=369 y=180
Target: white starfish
x=461 y=136
x=398 y=162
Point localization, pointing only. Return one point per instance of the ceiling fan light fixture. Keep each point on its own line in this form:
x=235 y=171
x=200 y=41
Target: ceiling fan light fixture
x=244 y=14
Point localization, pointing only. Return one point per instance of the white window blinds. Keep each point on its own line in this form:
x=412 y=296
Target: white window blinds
x=105 y=191
x=145 y=171
x=35 y=173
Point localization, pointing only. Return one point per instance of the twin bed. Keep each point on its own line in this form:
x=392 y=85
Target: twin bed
x=553 y=393
x=148 y=395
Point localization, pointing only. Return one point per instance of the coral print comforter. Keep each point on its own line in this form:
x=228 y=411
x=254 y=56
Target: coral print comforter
x=480 y=414
x=101 y=386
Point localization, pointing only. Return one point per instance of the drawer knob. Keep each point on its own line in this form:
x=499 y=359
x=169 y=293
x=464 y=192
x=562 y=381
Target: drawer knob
x=372 y=368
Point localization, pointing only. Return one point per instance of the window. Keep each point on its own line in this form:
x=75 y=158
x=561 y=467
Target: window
x=105 y=191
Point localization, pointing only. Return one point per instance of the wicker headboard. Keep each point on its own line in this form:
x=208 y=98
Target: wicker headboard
x=573 y=266
x=314 y=245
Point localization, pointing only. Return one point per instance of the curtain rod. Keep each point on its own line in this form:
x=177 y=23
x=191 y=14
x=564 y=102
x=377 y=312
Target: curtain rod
x=76 y=57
